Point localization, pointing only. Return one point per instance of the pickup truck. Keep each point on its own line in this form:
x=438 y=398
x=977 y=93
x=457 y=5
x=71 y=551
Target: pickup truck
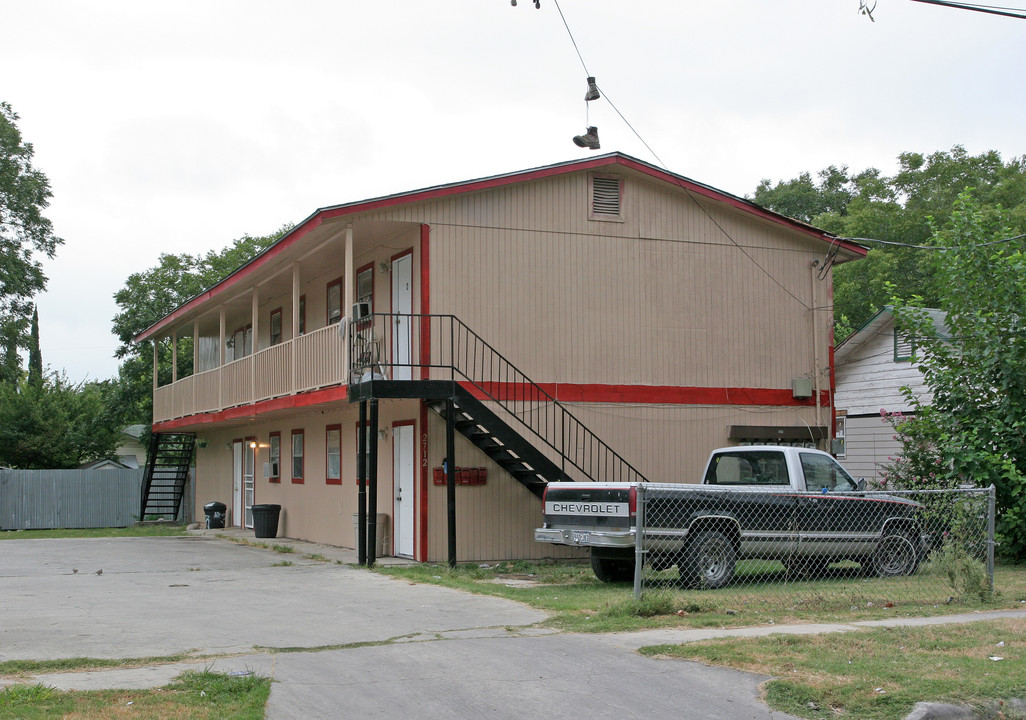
x=796 y=505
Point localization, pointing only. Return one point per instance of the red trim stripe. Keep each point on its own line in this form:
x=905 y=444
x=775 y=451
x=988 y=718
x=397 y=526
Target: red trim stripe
x=650 y=394
x=564 y=392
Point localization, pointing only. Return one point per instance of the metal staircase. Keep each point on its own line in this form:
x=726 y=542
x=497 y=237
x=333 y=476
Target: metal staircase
x=167 y=469
x=513 y=420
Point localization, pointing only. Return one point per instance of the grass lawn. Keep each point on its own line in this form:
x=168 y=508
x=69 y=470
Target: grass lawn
x=132 y=531
x=880 y=673
x=578 y=602
x=194 y=696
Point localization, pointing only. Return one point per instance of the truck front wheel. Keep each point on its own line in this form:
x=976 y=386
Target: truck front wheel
x=612 y=570
x=895 y=556
x=709 y=560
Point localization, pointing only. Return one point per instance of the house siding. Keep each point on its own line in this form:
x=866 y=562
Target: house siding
x=686 y=294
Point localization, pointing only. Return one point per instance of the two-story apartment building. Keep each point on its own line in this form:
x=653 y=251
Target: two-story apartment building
x=655 y=317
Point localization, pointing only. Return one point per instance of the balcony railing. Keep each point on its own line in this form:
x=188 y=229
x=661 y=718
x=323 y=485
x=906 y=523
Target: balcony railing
x=309 y=362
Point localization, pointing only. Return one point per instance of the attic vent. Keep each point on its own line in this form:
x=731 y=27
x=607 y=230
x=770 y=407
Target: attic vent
x=605 y=198
x=904 y=346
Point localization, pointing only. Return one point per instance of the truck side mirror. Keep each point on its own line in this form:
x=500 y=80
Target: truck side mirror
x=860 y=484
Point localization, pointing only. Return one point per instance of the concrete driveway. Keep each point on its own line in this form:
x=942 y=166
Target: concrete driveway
x=430 y=652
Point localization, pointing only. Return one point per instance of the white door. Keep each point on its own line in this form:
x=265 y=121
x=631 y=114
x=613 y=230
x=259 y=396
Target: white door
x=402 y=303
x=248 y=477
x=237 y=483
x=402 y=481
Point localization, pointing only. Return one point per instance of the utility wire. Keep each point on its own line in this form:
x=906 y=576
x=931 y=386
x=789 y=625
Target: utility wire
x=567 y=26
x=989 y=9
x=929 y=247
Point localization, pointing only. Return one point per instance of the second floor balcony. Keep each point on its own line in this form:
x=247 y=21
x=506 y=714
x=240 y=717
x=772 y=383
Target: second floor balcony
x=309 y=362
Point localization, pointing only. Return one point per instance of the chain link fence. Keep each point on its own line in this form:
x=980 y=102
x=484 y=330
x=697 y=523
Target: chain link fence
x=778 y=549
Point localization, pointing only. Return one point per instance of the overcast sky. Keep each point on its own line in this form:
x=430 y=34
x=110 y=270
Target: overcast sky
x=177 y=127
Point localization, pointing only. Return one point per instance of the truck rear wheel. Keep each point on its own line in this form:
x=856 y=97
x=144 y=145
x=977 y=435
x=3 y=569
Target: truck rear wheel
x=896 y=556
x=612 y=570
x=709 y=560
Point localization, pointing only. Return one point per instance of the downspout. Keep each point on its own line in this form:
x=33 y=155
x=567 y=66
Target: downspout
x=817 y=384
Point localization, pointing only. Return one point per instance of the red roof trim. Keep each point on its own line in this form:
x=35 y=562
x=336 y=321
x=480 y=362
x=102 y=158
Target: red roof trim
x=459 y=188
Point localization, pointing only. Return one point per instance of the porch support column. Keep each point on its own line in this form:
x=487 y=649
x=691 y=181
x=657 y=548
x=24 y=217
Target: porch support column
x=450 y=476
x=156 y=365
x=295 y=322
x=222 y=350
x=372 y=483
x=349 y=291
x=255 y=311
x=174 y=356
x=195 y=346
x=361 y=482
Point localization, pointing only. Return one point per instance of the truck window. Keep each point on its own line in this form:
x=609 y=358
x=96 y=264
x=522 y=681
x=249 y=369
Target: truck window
x=748 y=468
x=822 y=472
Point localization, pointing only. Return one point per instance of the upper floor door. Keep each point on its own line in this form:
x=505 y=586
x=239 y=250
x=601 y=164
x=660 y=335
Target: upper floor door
x=402 y=305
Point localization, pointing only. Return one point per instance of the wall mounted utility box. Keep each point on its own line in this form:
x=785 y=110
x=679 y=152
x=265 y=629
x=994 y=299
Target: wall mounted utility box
x=801 y=388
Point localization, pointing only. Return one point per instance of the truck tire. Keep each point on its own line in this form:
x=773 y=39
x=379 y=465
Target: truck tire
x=612 y=570
x=708 y=561
x=895 y=556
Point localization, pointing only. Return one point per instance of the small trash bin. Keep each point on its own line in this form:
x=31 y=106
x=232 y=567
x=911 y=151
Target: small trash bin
x=215 y=514
x=265 y=520
x=380 y=532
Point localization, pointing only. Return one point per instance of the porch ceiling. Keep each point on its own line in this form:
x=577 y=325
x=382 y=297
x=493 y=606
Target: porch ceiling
x=323 y=247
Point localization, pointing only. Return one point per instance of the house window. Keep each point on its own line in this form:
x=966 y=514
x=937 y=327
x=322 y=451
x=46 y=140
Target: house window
x=275 y=326
x=302 y=314
x=334 y=301
x=297 y=456
x=904 y=347
x=240 y=344
x=333 y=450
x=606 y=198
x=274 y=457
x=365 y=285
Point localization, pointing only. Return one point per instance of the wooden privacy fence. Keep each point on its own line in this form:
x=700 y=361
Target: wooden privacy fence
x=45 y=499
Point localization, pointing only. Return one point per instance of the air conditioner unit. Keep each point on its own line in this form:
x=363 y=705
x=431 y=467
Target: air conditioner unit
x=361 y=310
x=270 y=469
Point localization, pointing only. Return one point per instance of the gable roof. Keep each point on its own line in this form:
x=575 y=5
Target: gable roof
x=607 y=161
x=883 y=322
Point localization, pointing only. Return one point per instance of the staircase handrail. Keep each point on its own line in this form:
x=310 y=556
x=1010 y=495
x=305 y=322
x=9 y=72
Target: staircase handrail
x=491 y=374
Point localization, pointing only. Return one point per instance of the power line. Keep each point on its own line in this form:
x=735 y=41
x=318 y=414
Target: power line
x=989 y=9
x=929 y=247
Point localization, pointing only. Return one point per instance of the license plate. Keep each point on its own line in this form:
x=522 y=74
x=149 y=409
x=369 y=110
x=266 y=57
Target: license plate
x=581 y=538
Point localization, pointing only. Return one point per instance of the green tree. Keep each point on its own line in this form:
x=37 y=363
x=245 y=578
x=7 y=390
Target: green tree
x=901 y=209
x=54 y=424
x=25 y=233
x=35 y=354
x=150 y=295
x=974 y=428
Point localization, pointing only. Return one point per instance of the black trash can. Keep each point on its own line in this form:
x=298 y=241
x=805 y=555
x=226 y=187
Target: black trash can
x=215 y=512
x=265 y=520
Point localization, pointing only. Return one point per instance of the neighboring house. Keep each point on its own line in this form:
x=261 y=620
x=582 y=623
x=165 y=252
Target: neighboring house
x=872 y=365
x=667 y=316
x=131 y=451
